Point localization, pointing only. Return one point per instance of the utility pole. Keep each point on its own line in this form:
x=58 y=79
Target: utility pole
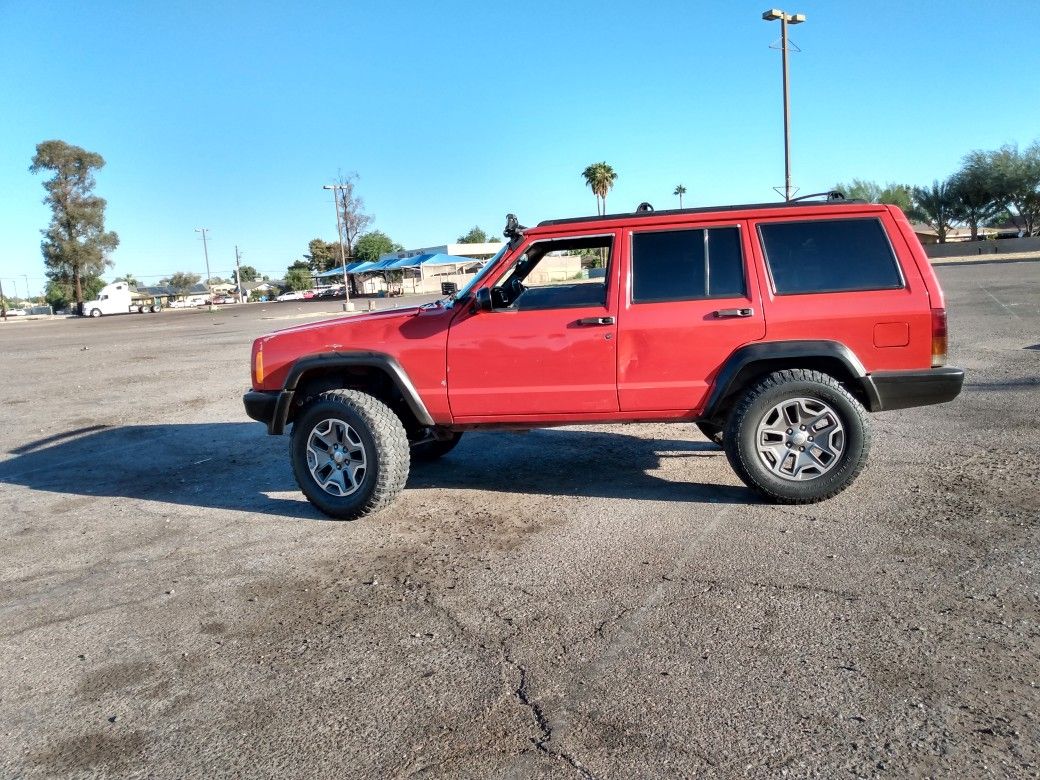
x=772 y=15
x=205 y=251
x=238 y=274
x=347 y=305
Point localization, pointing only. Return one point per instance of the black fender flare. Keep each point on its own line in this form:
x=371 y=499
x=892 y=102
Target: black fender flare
x=751 y=359
x=326 y=360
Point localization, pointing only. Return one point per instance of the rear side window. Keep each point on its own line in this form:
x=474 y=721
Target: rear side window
x=834 y=255
x=683 y=265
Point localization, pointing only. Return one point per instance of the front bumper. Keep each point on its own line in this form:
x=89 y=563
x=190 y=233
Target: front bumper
x=904 y=389
x=270 y=407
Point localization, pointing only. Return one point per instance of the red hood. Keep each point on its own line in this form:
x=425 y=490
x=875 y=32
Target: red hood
x=415 y=336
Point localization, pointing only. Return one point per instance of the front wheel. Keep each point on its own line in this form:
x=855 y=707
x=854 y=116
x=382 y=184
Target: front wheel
x=95 y=312
x=797 y=437
x=349 y=454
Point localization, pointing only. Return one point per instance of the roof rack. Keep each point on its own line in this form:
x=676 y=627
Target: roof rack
x=832 y=198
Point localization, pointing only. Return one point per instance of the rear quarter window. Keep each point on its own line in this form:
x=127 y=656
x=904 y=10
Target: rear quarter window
x=833 y=255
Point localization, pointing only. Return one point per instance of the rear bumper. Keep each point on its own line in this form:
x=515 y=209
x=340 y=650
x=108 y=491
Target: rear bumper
x=269 y=407
x=904 y=389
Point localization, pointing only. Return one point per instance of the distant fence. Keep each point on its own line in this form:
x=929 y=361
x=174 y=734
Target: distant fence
x=1003 y=246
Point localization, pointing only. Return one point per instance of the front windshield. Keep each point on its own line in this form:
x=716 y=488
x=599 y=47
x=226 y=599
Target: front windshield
x=480 y=274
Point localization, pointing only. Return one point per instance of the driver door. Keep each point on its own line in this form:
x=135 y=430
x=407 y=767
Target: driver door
x=549 y=347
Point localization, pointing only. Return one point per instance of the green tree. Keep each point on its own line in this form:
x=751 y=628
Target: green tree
x=870 y=191
x=600 y=178
x=474 y=236
x=322 y=255
x=974 y=190
x=680 y=190
x=248 y=274
x=298 y=276
x=61 y=294
x=130 y=279
x=182 y=281
x=373 y=245
x=217 y=280
x=1017 y=182
x=936 y=207
x=76 y=245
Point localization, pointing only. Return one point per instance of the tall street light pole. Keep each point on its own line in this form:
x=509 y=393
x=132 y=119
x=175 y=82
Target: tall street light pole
x=347 y=305
x=772 y=15
x=205 y=251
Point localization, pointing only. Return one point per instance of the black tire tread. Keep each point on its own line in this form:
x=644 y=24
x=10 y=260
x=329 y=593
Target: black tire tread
x=788 y=376
x=392 y=453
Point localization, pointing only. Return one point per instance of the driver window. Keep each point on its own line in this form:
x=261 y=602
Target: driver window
x=557 y=274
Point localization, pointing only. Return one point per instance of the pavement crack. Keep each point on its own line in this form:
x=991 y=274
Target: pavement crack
x=522 y=693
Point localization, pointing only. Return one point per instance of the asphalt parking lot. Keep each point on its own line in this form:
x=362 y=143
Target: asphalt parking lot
x=596 y=602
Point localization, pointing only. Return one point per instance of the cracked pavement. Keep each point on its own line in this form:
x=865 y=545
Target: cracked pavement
x=587 y=602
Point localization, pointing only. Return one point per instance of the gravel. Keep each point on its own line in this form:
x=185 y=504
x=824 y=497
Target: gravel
x=588 y=602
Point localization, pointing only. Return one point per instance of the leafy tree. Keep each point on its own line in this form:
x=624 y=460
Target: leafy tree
x=974 y=190
x=182 y=281
x=474 y=236
x=936 y=207
x=298 y=276
x=600 y=177
x=870 y=191
x=217 y=280
x=322 y=255
x=860 y=189
x=76 y=245
x=373 y=245
x=248 y=274
x=130 y=280
x=1017 y=182
x=680 y=190
x=61 y=294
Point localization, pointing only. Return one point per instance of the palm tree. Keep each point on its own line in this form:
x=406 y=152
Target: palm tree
x=600 y=177
x=937 y=207
x=680 y=191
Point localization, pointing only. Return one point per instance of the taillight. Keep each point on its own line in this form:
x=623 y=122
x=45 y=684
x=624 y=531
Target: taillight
x=939 y=337
x=258 y=365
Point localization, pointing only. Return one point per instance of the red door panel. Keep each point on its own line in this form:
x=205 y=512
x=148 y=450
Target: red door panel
x=669 y=352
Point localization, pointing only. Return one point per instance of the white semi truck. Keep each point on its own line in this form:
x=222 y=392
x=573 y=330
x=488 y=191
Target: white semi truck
x=117 y=298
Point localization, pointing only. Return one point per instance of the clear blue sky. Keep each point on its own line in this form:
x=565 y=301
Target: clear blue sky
x=232 y=115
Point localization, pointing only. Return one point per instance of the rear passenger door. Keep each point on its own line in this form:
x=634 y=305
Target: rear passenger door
x=692 y=298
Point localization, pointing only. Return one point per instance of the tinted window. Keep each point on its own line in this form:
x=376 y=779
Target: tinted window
x=829 y=256
x=680 y=265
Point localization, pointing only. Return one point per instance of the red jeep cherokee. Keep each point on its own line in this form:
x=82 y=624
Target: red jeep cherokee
x=772 y=327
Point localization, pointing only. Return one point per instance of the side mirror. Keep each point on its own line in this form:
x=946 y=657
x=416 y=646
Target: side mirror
x=482 y=299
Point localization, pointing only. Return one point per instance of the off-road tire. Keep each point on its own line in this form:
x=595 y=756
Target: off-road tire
x=432 y=450
x=739 y=437
x=712 y=431
x=386 y=448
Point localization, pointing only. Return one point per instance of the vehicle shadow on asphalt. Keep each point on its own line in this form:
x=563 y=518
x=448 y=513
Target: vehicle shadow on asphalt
x=236 y=466
x=594 y=464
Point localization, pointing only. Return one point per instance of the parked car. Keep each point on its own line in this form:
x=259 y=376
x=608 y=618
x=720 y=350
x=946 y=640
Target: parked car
x=292 y=295
x=15 y=312
x=774 y=328
x=331 y=293
x=225 y=299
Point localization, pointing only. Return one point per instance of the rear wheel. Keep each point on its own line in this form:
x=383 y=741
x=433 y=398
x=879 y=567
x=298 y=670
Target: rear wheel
x=797 y=437
x=432 y=450
x=349 y=454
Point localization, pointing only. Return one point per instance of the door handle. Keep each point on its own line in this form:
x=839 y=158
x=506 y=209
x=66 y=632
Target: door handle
x=721 y=313
x=596 y=321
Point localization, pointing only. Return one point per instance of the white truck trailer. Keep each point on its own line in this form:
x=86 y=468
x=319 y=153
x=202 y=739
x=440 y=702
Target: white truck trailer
x=117 y=298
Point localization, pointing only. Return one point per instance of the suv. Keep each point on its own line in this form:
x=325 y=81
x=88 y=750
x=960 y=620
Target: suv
x=773 y=327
